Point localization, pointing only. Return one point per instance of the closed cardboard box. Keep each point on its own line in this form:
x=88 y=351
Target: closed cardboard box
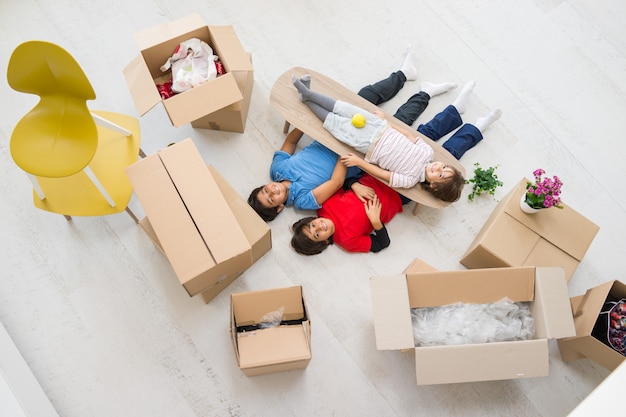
x=545 y=289
x=229 y=93
x=551 y=237
x=586 y=309
x=283 y=347
x=207 y=232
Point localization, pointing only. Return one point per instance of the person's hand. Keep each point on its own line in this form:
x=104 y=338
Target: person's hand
x=351 y=160
x=363 y=192
x=379 y=114
x=372 y=210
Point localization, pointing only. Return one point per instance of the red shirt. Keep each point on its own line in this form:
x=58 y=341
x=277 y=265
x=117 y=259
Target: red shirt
x=352 y=227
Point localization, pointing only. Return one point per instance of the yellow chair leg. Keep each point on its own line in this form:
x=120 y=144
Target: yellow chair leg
x=36 y=186
x=417 y=206
x=110 y=125
x=131 y=214
x=99 y=185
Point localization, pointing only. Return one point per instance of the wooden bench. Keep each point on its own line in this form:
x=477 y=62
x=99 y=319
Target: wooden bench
x=285 y=99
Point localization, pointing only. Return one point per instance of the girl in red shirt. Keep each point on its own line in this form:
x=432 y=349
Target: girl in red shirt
x=356 y=224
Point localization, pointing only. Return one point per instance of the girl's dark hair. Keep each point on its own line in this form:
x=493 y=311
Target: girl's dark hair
x=267 y=213
x=449 y=189
x=302 y=244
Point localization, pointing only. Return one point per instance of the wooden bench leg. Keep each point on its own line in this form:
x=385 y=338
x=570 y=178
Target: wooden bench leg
x=286 y=126
x=417 y=206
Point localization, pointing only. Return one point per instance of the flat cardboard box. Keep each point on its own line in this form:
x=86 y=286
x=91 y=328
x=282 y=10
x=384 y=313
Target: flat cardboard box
x=207 y=232
x=158 y=43
x=586 y=309
x=551 y=237
x=393 y=298
x=277 y=349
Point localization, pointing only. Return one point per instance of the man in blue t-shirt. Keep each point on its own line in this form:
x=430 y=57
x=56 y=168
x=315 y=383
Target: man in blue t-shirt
x=304 y=179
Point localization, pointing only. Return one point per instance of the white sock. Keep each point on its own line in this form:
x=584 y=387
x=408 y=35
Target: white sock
x=408 y=66
x=461 y=100
x=435 y=89
x=483 y=122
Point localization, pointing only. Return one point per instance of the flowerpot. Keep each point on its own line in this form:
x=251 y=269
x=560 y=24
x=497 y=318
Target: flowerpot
x=525 y=207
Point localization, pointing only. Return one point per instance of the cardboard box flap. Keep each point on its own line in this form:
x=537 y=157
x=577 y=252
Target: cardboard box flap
x=481 y=362
x=270 y=346
x=251 y=223
x=551 y=310
x=249 y=307
x=591 y=305
x=418 y=266
x=203 y=99
x=478 y=286
x=152 y=185
x=219 y=228
x=168 y=30
x=141 y=86
x=392 y=314
x=229 y=49
x=566 y=228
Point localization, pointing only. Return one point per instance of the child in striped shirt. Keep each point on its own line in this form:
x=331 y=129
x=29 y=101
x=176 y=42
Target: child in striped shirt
x=393 y=153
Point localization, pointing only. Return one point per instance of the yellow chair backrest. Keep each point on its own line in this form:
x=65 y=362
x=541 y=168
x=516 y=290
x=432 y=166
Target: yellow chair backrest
x=58 y=137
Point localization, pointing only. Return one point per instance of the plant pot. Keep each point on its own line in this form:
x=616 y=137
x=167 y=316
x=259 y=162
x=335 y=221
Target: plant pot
x=525 y=207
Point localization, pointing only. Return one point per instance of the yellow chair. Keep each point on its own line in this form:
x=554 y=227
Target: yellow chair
x=75 y=158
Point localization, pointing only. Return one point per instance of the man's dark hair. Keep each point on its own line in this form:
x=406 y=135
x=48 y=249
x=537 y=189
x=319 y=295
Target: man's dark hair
x=267 y=213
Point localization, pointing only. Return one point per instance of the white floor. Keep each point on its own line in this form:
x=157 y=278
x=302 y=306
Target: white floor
x=97 y=312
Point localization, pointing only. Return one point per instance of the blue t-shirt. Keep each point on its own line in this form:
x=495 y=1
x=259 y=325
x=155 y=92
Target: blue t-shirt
x=306 y=169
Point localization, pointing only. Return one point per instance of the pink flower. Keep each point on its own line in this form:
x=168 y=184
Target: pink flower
x=544 y=192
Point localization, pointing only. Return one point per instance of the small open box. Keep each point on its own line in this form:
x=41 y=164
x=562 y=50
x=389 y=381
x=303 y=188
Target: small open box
x=228 y=94
x=545 y=288
x=586 y=309
x=267 y=350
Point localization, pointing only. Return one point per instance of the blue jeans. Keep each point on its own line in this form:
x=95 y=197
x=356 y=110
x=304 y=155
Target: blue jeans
x=445 y=122
x=386 y=89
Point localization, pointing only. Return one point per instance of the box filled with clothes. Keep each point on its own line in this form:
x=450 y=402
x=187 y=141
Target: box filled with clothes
x=600 y=320
x=401 y=301
x=200 y=73
x=271 y=330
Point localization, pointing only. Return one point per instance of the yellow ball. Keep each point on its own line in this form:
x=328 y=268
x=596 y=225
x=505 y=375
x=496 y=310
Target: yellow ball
x=358 y=120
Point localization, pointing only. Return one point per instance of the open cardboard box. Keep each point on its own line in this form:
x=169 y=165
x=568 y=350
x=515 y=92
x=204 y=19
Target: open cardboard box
x=586 y=308
x=221 y=103
x=551 y=237
x=393 y=298
x=282 y=348
x=206 y=230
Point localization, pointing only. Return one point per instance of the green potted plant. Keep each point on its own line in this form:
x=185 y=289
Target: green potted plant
x=484 y=181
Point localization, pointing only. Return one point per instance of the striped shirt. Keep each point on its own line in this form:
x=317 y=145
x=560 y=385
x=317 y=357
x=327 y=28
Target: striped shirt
x=404 y=159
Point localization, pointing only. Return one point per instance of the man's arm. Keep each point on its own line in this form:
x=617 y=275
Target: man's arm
x=324 y=191
x=291 y=141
